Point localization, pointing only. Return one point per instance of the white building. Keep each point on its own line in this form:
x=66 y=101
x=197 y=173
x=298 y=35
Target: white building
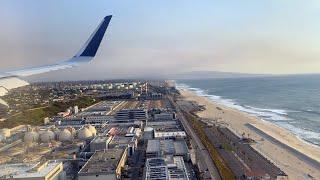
x=168 y=135
x=166 y=169
x=49 y=170
x=162 y=148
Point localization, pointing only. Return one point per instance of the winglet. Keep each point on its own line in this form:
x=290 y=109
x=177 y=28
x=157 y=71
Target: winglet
x=91 y=46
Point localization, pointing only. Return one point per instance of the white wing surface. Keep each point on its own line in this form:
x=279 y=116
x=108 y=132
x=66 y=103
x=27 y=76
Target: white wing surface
x=10 y=79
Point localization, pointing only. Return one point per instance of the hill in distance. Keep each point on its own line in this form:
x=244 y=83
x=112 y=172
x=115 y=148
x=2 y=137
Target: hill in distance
x=212 y=74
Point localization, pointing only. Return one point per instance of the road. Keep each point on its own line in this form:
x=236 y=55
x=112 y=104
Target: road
x=205 y=156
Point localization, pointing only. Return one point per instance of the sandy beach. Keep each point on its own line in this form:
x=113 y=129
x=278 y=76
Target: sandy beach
x=292 y=164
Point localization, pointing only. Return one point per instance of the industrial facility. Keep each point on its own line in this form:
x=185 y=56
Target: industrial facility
x=109 y=135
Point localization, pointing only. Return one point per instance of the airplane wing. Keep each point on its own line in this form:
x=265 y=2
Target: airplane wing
x=10 y=79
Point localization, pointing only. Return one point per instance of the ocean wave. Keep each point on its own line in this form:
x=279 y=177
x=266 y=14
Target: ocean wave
x=304 y=134
x=277 y=111
x=276 y=116
x=311 y=111
x=267 y=114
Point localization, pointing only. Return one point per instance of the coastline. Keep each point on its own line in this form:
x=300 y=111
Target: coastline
x=295 y=166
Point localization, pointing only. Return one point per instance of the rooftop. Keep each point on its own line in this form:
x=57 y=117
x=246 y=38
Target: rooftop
x=177 y=147
x=102 y=106
x=102 y=162
x=121 y=140
x=166 y=126
x=100 y=139
x=153 y=146
x=22 y=170
x=158 y=134
x=166 y=168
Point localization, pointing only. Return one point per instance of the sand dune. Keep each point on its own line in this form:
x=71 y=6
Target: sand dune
x=292 y=164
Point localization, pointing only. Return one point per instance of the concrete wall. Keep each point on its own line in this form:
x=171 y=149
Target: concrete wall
x=122 y=162
x=99 y=177
x=55 y=173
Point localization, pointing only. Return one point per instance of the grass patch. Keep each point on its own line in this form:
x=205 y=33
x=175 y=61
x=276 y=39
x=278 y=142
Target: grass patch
x=227 y=147
x=35 y=117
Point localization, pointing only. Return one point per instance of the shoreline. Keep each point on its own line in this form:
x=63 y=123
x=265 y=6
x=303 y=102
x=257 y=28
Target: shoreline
x=295 y=166
x=273 y=116
x=297 y=153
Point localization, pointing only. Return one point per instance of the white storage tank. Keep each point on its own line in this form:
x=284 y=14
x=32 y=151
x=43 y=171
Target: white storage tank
x=47 y=136
x=72 y=130
x=65 y=136
x=84 y=134
x=31 y=136
x=92 y=129
x=5 y=132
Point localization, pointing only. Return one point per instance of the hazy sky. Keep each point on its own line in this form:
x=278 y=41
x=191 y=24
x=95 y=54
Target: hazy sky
x=148 y=38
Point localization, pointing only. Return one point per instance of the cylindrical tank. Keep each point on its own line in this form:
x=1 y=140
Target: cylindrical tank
x=92 y=129
x=72 y=130
x=65 y=135
x=84 y=134
x=31 y=137
x=5 y=132
x=47 y=136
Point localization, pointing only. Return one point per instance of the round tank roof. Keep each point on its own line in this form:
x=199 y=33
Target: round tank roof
x=65 y=135
x=31 y=136
x=92 y=129
x=5 y=132
x=72 y=130
x=47 y=136
x=84 y=134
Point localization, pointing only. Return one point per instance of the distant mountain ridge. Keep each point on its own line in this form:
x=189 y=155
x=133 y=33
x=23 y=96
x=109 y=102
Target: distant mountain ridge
x=212 y=74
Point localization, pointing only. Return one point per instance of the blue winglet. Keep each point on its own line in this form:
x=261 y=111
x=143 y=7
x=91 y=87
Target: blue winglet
x=91 y=46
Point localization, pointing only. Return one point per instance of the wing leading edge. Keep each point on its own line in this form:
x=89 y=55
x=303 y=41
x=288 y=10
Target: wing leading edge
x=10 y=80
x=86 y=53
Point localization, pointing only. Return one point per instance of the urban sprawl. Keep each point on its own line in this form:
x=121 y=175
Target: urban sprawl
x=120 y=130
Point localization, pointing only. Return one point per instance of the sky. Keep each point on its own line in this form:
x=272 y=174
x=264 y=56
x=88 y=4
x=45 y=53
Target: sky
x=156 y=38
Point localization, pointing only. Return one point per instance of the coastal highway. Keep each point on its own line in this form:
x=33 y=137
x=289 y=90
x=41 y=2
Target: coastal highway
x=205 y=156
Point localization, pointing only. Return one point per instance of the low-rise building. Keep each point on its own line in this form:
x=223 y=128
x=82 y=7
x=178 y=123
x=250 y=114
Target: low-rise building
x=124 y=142
x=103 y=106
x=164 y=116
x=106 y=164
x=169 y=135
x=98 y=119
x=49 y=170
x=166 y=168
x=131 y=114
x=153 y=149
x=100 y=143
x=162 y=148
x=71 y=121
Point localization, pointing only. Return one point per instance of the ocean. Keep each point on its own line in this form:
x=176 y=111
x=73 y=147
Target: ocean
x=292 y=102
